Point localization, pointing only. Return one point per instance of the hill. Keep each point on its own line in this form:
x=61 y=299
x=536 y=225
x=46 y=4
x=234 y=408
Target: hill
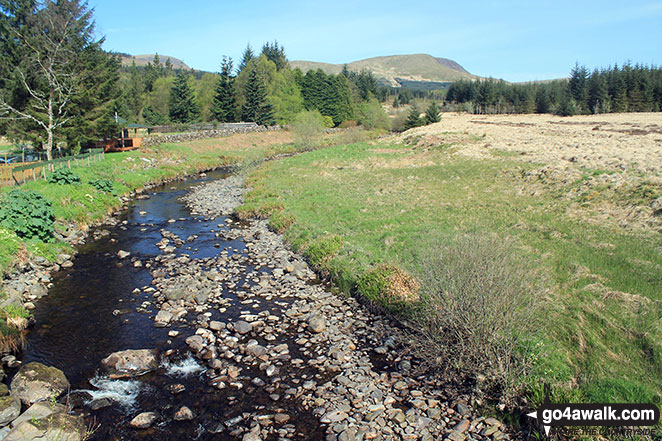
x=142 y=60
x=392 y=70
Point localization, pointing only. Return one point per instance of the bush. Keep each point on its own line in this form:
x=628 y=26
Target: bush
x=105 y=185
x=308 y=127
x=63 y=176
x=477 y=307
x=372 y=116
x=28 y=213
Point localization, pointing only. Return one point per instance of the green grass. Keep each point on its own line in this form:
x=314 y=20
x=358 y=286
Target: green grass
x=604 y=336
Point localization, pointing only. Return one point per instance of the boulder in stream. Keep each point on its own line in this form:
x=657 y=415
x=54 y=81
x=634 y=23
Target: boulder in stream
x=37 y=382
x=131 y=362
x=10 y=409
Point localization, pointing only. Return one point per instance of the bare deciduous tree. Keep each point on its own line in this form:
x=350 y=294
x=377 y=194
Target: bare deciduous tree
x=49 y=68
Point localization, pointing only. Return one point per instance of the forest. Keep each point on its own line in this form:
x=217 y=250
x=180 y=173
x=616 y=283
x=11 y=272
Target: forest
x=630 y=88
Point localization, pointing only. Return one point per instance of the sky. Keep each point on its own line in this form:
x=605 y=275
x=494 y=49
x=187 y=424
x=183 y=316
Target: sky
x=513 y=40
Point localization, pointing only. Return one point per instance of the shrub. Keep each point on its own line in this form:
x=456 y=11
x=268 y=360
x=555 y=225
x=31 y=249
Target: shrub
x=348 y=124
x=308 y=127
x=372 y=116
x=477 y=306
x=105 y=185
x=28 y=213
x=328 y=121
x=63 y=176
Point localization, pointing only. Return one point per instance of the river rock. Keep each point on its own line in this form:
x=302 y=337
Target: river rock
x=10 y=409
x=36 y=382
x=317 y=324
x=131 y=363
x=183 y=414
x=123 y=254
x=243 y=327
x=56 y=425
x=163 y=317
x=143 y=420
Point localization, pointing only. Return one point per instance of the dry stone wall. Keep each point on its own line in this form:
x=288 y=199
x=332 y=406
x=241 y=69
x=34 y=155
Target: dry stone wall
x=205 y=134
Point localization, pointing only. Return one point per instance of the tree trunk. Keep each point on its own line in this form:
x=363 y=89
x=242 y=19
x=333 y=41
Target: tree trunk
x=49 y=130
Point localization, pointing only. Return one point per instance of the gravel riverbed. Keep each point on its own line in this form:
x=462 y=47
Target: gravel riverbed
x=263 y=321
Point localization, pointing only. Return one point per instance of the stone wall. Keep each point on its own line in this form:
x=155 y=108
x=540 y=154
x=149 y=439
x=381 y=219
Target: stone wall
x=205 y=134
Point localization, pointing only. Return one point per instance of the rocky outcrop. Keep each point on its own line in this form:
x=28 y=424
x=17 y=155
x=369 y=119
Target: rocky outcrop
x=37 y=382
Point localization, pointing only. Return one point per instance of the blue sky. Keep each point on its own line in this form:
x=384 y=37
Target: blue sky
x=513 y=40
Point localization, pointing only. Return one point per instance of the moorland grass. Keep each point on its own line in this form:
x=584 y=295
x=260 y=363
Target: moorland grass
x=351 y=208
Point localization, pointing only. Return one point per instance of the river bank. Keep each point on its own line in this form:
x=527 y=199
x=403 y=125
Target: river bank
x=277 y=355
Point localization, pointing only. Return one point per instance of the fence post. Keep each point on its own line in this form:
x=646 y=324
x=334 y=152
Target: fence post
x=43 y=171
x=69 y=164
x=34 y=176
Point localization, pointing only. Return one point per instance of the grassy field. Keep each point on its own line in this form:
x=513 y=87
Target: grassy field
x=350 y=208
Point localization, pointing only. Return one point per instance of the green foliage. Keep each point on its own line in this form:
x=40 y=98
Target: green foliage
x=328 y=121
x=28 y=213
x=330 y=94
x=246 y=58
x=374 y=283
x=64 y=176
x=631 y=88
x=414 y=119
x=57 y=82
x=276 y=54
x=224 y=103
x=432 y=114
x=286 y=97
x=183 y=105
x=257 y=107
x=308 y=128
x=372 y=116
x=105 y=185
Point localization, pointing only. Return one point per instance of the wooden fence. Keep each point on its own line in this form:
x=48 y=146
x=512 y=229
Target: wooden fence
x=21 y=173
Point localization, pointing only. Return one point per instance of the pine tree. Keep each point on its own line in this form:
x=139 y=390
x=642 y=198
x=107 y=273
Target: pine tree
x=598 y=96
x=53 y=73
x=257 y=107
x=224 y=103
x=414 y=119
x=246 y=58
x=543 y=102
x=168 y=67
x=577 y=85
x=183 y=105
x=276 y=53
x=432 y=115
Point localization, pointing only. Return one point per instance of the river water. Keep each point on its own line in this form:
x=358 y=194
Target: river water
x=92 y=311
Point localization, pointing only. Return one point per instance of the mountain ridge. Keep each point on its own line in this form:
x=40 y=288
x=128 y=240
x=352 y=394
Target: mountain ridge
x=391 y=68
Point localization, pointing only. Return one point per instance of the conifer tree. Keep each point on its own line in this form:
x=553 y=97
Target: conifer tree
x=257 y=107
x=598 y=96
x=224 y=103
x=276 y=53
x=246 y=58
x=577 y=85
x=414 y=119
x=183 y=105
x=432 y=115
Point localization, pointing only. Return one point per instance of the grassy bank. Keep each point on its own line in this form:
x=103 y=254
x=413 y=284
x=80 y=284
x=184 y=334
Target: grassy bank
x=82 y=204
x=352 y=208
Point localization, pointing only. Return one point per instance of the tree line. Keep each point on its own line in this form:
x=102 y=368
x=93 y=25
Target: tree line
x=630 y=88
x=261 y=88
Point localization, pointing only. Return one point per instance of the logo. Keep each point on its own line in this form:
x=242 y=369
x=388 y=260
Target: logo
x=598 y=414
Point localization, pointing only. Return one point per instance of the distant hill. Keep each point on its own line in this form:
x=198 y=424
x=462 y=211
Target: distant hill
x=395 y=70
x=142 y=60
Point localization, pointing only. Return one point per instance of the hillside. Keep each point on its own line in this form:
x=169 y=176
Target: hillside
x=392 y=69
x=142 y=60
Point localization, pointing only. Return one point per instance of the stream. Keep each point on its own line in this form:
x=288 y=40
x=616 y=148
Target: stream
x=251 y=345
x=91 y=311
